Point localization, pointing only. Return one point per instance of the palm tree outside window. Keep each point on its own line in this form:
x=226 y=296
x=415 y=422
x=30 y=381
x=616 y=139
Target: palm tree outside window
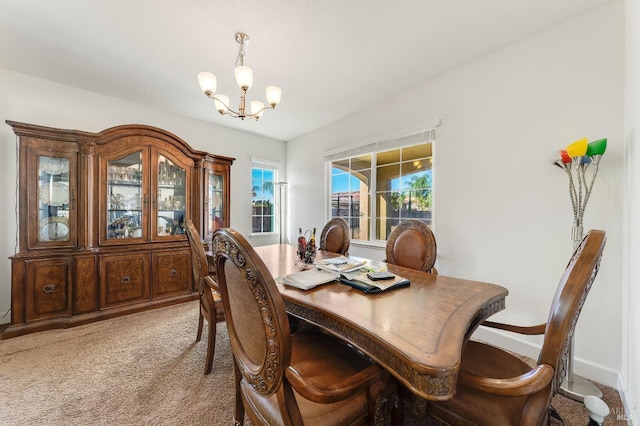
x=375 y=191
x=262 y=199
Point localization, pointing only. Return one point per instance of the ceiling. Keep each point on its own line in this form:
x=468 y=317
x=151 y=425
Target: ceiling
x=330 y=57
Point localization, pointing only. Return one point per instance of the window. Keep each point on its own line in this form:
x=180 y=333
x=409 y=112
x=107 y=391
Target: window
x=383 y=184
x=350 y=182
x=263 y=178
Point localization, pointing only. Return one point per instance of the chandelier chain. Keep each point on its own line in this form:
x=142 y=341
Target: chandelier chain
x=240 y=57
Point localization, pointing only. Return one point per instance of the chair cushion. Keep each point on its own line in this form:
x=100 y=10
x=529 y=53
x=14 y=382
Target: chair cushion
x=480 y=407
x=351 y=411
x=323 y=361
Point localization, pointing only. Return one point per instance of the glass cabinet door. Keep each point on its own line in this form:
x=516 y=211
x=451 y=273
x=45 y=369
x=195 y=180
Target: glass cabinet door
x=55 y=199
x=214 y=218
x=171 y=198
x=125 y=197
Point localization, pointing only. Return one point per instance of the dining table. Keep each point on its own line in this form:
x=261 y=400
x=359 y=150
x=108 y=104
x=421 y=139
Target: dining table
x=417 y=333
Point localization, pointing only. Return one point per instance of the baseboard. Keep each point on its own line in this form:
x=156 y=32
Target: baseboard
x=598 y=373
x=628 y=412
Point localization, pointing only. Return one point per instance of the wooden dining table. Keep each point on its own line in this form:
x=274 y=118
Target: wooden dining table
x=417 y=333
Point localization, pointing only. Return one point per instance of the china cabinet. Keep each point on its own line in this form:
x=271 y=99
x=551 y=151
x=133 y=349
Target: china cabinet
x=101 y=222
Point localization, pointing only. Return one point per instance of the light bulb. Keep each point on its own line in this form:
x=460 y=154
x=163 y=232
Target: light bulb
x=564 y=156
x=221 y=102
x=257 y=109
x=597 y=147
x=274 y=93
x=207 y=82
x=244 y=77
x=578 y=148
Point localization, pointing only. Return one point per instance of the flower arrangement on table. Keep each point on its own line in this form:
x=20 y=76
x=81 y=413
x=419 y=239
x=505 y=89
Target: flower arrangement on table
x=577 y=160
x=307 y=248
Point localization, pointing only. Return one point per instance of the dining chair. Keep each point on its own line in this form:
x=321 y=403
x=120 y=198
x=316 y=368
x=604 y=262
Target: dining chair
x=498 y=388
x=335 y=236
x=412 y=245
x=210 y=301
x=282 y=378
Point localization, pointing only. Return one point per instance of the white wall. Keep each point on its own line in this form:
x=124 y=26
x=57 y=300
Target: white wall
x=36 y=101
x=631 y=240
x=502 y=210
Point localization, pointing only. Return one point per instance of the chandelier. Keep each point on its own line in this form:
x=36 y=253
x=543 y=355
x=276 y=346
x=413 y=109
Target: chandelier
x=244 y=78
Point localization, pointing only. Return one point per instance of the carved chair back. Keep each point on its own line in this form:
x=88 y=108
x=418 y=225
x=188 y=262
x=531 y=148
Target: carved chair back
x=567 y=303
x=335 y=236
x=256 y=318
x=412 y=244
x=199 y=263
x=210 y=308
x=565 y=309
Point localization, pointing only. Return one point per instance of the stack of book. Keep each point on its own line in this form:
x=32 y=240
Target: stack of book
x=341 y=264
x=347 y=270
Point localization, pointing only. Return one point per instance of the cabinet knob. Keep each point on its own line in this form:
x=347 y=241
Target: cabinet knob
x=49 y=288
x=173 y=273
x=125 y=280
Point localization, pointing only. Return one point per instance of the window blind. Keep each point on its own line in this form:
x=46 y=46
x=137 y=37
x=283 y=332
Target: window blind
x=424 y=136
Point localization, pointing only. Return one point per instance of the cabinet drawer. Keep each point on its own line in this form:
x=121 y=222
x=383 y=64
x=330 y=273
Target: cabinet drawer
x=124 y=279
x=47 y=288
x=171 y=272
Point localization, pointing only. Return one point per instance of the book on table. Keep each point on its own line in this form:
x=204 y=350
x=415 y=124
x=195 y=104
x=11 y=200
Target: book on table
x=341 y=264
x=357 y=279
x=310 y=278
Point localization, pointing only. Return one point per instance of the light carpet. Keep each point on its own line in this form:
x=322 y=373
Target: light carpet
x=140 y=369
